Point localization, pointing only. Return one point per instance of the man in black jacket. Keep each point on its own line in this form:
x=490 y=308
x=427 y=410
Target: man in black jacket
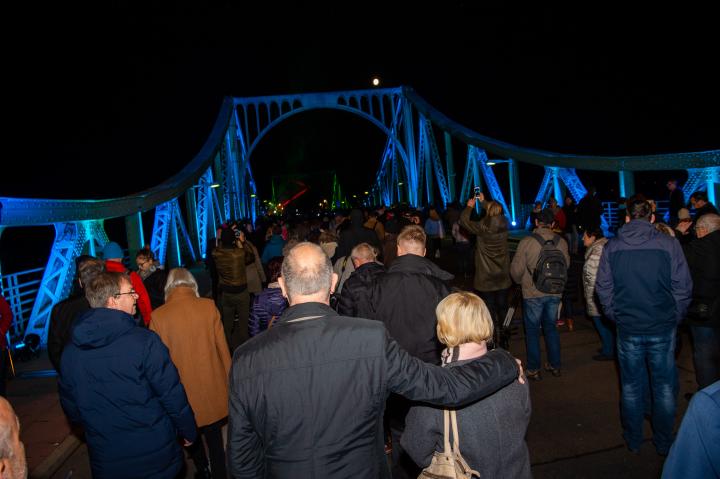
x=65 y=312
x=703 y=257
x=355 y=296
x=404 y=299
x=307 y=396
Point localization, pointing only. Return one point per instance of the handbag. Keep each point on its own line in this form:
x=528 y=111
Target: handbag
x=449 y=464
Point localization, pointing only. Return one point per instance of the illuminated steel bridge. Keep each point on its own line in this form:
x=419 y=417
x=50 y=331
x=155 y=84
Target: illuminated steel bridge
x=218 y=183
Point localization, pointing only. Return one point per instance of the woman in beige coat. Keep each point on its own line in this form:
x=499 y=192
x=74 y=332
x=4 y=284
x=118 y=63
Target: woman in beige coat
x=191 y=329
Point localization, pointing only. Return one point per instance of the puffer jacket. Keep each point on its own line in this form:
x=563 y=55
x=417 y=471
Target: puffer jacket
x=492 y=261
x=589 y=273
x=267 y=304
x=230 y=265
x=118 y=382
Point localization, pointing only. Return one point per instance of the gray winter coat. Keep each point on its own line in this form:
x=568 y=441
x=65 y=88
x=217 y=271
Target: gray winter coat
x=590 y=268
x=491 y=432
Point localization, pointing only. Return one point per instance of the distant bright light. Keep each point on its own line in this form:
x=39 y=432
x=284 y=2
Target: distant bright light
x=400 y=183
x=215 y=185
x=252 y=196
x=367 y=192
x=490 y=163
x=376 y=81
x=513 y=223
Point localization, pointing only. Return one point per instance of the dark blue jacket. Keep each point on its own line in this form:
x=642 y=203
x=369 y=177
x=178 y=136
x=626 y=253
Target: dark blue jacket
x=267 y=303
x=643 y=280
x=695 y=454
x=118 y=381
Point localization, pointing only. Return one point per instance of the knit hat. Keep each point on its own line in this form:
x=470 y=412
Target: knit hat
x=112 y=250
x=683 y=214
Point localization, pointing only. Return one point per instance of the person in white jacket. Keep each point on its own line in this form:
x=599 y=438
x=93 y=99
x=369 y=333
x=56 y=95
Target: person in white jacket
x=594 y=242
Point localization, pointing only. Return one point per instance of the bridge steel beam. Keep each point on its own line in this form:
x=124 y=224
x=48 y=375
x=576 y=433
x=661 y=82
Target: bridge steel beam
x=70 y=240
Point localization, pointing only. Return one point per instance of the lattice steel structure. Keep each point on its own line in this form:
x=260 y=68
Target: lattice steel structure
x=218 y=183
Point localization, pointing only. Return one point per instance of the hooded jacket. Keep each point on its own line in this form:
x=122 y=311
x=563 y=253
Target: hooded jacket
x=643 y=280
x=405 y=299
x=118 y=381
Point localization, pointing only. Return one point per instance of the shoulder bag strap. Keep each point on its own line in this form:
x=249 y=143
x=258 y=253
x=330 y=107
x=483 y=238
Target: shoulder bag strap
x=447 y=432
x=456 y=437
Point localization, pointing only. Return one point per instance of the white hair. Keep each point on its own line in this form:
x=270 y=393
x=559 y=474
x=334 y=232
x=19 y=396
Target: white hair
x=180 y=277
x=710 y=221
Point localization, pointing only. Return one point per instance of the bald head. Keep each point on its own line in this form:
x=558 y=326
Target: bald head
x=12 y=450
x=307 y=275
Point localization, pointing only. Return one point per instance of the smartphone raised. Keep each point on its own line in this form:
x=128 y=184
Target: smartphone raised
x=477 y=191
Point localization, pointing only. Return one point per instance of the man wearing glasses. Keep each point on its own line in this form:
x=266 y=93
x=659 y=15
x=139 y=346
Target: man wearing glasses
x=118 y=382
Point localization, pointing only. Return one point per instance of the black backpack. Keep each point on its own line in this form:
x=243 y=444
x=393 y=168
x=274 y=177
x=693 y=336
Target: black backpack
x=550 y=273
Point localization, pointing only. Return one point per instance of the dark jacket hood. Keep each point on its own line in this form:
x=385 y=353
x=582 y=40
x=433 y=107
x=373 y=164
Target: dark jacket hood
x=412 y=263
x=638 y=232
x=99 y=327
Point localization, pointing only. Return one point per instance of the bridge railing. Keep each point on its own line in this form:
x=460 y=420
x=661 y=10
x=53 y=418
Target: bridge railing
x=20 y=290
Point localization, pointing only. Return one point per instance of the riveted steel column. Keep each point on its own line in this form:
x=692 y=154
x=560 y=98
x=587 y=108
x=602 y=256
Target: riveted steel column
x=627 y=183
x=192 y=219
x=450 y=166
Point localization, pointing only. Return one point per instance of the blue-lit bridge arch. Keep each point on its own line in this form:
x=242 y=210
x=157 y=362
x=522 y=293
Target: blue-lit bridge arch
x=218 y=184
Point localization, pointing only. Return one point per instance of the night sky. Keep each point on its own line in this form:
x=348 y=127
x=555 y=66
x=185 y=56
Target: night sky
x=106 y=103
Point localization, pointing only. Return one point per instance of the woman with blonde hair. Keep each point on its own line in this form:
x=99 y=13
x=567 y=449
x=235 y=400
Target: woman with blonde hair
x=491 y=431
x=192 y=330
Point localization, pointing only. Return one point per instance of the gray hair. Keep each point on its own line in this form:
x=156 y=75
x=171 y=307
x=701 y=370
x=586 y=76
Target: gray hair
x=306 y=275
x=710 y=221
x=364 y=252
x=104 y=286
x=178 y=277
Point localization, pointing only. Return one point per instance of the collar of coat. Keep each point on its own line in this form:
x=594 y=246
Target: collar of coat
x=303 y=310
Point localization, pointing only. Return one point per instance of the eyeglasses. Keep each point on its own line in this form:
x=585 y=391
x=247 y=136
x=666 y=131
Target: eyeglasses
x=132 y=291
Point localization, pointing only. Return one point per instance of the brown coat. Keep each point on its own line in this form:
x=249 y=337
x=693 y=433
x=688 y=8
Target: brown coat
x=191 y=329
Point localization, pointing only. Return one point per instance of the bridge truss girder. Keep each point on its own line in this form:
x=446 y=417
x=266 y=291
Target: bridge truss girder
x=71 y=240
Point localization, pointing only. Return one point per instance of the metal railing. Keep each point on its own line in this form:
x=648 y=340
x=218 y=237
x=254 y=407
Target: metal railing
x=20 y=290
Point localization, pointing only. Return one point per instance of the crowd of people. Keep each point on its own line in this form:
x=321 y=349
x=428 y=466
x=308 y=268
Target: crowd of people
x=332 y=346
